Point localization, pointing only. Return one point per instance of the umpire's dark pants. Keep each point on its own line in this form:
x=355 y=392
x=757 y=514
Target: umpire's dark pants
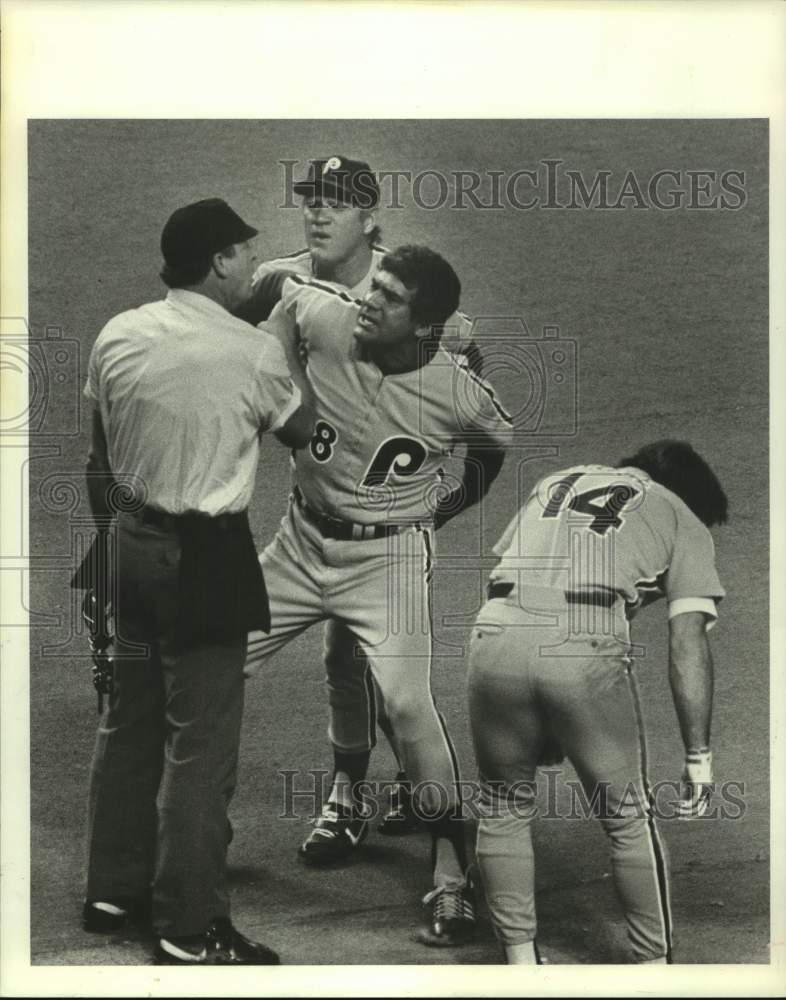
x=166 y=754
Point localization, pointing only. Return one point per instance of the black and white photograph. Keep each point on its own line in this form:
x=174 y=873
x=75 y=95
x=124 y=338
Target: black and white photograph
x=391 y=545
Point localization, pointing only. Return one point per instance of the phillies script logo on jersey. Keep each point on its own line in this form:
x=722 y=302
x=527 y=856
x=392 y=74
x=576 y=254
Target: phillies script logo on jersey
x=397 y=457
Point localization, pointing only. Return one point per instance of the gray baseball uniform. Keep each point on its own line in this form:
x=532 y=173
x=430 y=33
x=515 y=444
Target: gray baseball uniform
x=356 y=543
x=550 y=658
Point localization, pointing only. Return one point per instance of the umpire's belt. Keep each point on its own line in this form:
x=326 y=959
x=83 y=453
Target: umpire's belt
x=342 y=531
x=171 y=522
x=597 y=598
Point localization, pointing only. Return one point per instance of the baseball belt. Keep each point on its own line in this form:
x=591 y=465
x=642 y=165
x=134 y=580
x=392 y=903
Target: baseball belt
x=596 y=598
x=343 y=531
x=165 y=521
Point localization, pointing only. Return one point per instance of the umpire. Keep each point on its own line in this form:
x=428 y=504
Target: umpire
x=181 y=391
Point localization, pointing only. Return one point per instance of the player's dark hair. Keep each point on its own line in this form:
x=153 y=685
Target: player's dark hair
x=675 y=465
x=435 y=283
x=191 y=273
x=374 y=238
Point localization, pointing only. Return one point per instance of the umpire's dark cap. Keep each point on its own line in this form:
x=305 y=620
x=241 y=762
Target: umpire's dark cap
x=351 y=181
x=195 y=232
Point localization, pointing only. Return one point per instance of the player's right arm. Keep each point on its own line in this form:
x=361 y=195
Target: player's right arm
x=284 y=402
x=266 y=293
x=283 y=325
x=298 y=427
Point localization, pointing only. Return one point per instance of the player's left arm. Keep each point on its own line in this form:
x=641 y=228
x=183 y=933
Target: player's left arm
x=486 y=431
x=482 y=464
x=691 y=678
x=692 y=681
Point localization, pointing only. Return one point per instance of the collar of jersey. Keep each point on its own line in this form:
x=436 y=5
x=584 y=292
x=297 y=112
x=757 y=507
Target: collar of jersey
x=358 y=356
x=195 y=300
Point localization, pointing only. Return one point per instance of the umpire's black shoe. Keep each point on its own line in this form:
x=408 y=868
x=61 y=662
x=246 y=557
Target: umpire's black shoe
x=108 y=916
x=451 y=918
x=400 y=819
x=336 y=834
x=221 y=944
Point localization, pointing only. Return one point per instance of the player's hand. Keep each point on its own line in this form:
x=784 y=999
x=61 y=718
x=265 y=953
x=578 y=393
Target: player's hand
x=697 y=784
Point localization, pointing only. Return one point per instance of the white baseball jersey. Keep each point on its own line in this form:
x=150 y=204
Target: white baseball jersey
x=594 y=526
x=458 y=327
x=381 y=440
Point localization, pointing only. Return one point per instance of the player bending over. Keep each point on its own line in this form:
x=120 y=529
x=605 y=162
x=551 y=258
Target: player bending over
x=550 y=654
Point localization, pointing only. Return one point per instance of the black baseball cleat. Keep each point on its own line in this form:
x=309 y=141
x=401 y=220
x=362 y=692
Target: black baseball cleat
x=451 y=919
x=336 y=834
x=221 y=944
x=108 y=916
x=400 y=818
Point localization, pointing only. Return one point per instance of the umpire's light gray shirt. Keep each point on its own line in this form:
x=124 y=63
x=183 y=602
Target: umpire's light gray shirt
x=185 y=389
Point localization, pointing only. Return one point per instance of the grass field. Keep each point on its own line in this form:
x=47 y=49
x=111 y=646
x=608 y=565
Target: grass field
x=668 y=312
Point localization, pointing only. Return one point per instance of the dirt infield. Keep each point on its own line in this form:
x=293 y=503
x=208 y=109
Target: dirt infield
x=717 y=909
x=666 y=310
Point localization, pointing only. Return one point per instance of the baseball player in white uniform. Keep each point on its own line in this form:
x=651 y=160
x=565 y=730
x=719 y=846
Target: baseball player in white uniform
x=340 y=200
x=550 y=658
x=356 y=544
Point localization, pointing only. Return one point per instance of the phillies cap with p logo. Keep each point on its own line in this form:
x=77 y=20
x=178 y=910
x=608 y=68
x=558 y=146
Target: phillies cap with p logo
x=350 y=181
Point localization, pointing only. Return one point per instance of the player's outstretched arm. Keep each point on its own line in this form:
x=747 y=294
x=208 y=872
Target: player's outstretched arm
x=266 y=294
x=299 y=428
x=691 y=679
x=482 y=465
